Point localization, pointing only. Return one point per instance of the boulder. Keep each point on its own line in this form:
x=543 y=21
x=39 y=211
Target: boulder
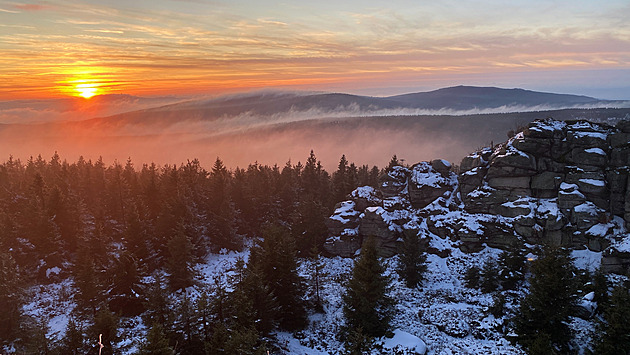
x=344 y=246
x=546 y=184
x=547 y=128
x=623 y=126
x=589 y=139
x=442 y=166
x=619 y=139
x=510 y=183
x=549 y=165
x=386 y=235
x=471 y=180
x=588 y=156
x=533 y=146
x=569 y=196
x=620 y=157
x=395 y=181
x=616 y=260
x=560 y=148
x=475 y=160
x=514 y=158
x=366 y=196
x=426 y=184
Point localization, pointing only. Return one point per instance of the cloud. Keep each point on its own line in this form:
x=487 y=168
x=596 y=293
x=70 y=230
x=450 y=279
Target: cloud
x=30 y=7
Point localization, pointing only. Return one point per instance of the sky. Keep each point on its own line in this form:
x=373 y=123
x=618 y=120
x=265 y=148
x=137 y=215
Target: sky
x=53 y=49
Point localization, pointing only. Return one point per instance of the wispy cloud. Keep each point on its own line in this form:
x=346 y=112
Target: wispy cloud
x=197 y=46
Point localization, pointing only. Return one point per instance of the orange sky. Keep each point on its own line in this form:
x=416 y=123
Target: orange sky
x=163 y=47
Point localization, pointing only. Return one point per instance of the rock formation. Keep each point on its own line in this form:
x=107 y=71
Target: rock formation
x=558 y=182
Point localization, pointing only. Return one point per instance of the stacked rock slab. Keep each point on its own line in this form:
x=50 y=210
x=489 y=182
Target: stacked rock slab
x=559 y=182
x=387 y=212
x=578 y=166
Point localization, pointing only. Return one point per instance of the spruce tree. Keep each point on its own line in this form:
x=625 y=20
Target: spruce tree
x=87 y=282
x=512 y=268
x=105 y=330
x=180 y=260
x=472 y=278
x=73 y=341
x=366 y=303
x=10 y=299
x=542 y=322
x=411 y=263
x=156 y=342
x=277 y=262
x=490 y=277
x=615 y=328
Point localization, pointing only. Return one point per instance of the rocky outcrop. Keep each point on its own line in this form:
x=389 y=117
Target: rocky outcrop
x=567 y=165
x=563 y=183
x=428 y=181
x=386 y=212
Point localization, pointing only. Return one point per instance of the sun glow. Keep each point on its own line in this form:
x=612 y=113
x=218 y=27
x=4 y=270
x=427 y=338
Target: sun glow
x=86 y=90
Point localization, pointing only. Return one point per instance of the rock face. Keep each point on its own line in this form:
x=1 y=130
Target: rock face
x=558 y=182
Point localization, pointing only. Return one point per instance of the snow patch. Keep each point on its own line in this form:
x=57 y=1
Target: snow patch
x=587 y=259
x=403 y=340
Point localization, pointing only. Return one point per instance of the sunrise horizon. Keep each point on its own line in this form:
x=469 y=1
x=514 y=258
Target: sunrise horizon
x=86 y=48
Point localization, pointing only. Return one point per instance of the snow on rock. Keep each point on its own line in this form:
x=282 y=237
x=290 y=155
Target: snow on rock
x=622 y=245
x=598 y=151
x=600 y=230
x=345 y=211
x=404 y=341
x=586 y=259
x=593 y=182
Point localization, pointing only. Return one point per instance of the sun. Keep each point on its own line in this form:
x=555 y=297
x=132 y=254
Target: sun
x=86 y=90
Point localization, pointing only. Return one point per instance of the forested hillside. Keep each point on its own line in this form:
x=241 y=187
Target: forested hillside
x=112 y=231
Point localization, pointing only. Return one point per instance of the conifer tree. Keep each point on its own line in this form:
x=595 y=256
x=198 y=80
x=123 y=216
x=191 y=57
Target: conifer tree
x=156 y=342
x=341 y=180
x=254 y=303
x=366 y=303
x=472 y=278
x=105 y=329
x=512 y=268
x=158 y=304
x=73 y=341
x=490 y=277
x=393 y=162
x=179 y=263
x=411 y=264
x=86 y=280
x=614 y=330
x=278 y=265
x=542 y=323
x=10 y=299
x=317 y=275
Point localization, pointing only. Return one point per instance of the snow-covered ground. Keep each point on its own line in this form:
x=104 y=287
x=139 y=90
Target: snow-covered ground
x=441 y=315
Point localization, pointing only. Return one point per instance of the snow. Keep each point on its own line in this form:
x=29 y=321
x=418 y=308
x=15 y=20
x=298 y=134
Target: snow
x=366 y=192
x=593 y=182
x=403 y=340
x=547 y=125
x=52 y=271
x=587 y=207
x=622 y=245
x=568 y=187
x=598 y=151
x=423 y=174
x=600 y=229
x=446 y=163
x=586 y=259
x=596 y=135
x=345 y=210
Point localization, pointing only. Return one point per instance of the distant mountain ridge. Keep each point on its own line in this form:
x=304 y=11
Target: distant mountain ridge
x=471 y=97
x=453 y=100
